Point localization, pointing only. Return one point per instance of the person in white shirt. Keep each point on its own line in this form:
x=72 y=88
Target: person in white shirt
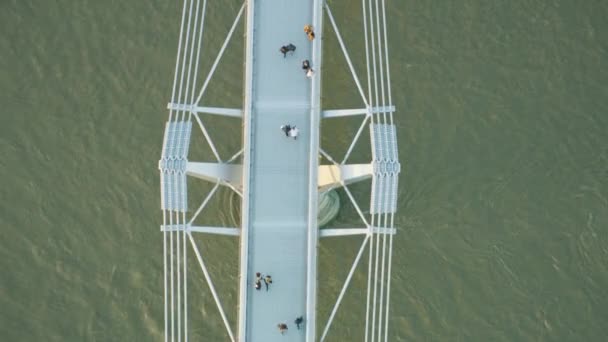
x=294 y=132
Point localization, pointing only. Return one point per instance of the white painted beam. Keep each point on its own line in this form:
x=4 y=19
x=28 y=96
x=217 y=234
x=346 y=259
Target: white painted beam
x=214 y=172
x=232 y=112
x=335 y=113
x=231 y=231
x=329 y=232
x=216 y=230
x=332 y=175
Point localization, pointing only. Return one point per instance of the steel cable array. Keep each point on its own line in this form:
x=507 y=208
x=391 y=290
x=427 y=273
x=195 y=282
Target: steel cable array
x=172 y=165
x=385 y=166
x=386 y=170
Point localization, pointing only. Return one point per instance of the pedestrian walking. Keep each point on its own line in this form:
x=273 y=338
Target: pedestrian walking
x=299 y=321
x=310 y=33
x=306 y=64
x=286 y=129
x=294 y=132
x=310 y=73
x=282 y=327
x=258 y=281
x=267 y=281
x=287 y=48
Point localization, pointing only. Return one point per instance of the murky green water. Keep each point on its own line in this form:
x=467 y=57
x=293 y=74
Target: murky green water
x=503 y=128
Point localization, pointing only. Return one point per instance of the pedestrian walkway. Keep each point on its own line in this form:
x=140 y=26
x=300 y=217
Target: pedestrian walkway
x=279 y=174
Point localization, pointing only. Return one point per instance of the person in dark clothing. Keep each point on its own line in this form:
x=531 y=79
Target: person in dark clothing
x=306 y=65
x=286 y=129
x=299 y=321
x=287 y=48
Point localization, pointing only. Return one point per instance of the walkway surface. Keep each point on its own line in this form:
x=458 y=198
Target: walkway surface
x=278 y=197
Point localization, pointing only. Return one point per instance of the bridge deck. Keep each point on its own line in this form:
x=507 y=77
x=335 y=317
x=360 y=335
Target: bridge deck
x=278 y=191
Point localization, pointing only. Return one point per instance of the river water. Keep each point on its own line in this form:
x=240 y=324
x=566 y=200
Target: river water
x=503 y=136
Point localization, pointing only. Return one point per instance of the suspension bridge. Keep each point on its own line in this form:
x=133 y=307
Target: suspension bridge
x=279 y=179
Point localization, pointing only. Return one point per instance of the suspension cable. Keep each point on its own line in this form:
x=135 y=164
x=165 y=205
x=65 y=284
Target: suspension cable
x=179 y=49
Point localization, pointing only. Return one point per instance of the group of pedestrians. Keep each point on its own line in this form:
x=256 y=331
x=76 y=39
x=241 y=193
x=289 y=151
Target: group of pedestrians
x=291 y=131
x=283 y=326
x=258 y=281
x=306 y=67
x=290 y=48
x=267 y=279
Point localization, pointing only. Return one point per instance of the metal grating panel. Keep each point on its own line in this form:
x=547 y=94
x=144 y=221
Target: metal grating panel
x=394 y=187
x=392 y=139
x=386 y=168
x=186 y=139
x=172 y=165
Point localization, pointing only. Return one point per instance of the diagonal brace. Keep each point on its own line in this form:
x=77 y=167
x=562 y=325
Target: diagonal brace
x=208 y=138
x=220 y=54
x=350 y=64
x=344 y=287
x=211 y=287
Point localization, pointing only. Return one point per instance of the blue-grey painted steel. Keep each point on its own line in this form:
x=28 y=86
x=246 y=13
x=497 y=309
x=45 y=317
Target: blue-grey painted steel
x=386 y=167
x=279 y=233
x=172 y=166
x=337 y=113
x=313 y=160
x=277 y=169
x=247 y=149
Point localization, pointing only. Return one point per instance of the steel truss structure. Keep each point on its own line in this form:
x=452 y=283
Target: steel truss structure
x=378 y=227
